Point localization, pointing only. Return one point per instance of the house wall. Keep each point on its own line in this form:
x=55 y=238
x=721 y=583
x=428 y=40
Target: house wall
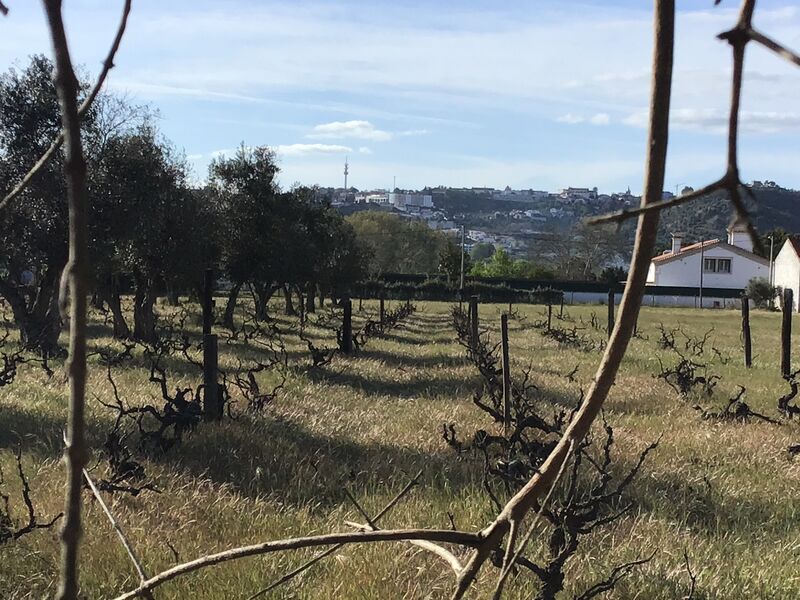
x=686 y=271
x=787 y=272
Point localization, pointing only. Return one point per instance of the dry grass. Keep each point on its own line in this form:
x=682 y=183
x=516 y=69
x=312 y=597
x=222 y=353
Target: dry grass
x=726 y=493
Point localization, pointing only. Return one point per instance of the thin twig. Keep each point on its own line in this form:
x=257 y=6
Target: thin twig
x=508 y=564
x=777 y=48
x=108 y=64
x=120 y=533
x=325 y=553
x=629 y=213
x=692 y=577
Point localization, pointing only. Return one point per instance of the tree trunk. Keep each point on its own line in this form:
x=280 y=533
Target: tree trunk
x=310 y=292
x=288 y=310
x=144 y=319
x=262 y=294
x=121 y=329
x=38 y=316
x=173 y=297
x=230 y=306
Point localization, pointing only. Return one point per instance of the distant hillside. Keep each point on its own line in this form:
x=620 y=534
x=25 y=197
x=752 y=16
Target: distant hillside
x=709 y=217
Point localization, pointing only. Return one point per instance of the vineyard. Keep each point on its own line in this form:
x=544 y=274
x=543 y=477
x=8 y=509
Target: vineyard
x=687 y=489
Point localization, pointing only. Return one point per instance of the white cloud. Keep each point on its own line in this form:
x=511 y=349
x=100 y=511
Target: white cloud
x=412 y=132
x=596 y=119
x=362 y=130
x=570 y=119
x=715 y=121
x=364 y=150
x=307 y=149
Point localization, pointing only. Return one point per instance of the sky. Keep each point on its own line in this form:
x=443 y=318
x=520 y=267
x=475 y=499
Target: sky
x=540 y=94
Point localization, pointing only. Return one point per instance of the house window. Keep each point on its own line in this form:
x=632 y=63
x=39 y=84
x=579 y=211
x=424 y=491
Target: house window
x=717 y=265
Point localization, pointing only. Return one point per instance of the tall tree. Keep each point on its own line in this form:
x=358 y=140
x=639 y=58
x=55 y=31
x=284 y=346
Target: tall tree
x=33 y=230
x=245 y=191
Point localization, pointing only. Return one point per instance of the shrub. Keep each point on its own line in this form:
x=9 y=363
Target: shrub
x=761 y=292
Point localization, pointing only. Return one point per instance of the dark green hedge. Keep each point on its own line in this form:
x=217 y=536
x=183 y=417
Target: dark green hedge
x=440 y=290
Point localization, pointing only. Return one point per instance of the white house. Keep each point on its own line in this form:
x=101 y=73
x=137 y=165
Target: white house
x=729 y=264
x=787 y=269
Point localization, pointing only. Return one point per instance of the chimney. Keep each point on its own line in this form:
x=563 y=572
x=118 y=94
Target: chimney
x=677 y=240
x=739 y=236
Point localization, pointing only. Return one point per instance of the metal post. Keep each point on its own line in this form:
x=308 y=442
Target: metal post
x=610 y=323
x=506 y=371
x=461 y=285
x=702 y=268
x=473 y=322
x=382 y=311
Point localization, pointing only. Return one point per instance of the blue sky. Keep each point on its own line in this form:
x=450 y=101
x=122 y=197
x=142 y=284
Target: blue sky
x=533 y=94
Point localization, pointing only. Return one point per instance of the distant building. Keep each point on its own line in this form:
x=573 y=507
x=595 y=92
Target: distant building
x=572 y=193
x=730 y=264
x=410 y=202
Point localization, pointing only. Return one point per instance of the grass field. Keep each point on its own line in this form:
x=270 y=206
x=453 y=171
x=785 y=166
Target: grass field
x=725 y=493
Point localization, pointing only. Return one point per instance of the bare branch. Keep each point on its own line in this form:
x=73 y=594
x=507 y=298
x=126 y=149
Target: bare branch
x=120 y=533
x=526 y=498
x=108 y=64
x=325 y=553
x=447 y=536
x=3 y=9
x=629 y=213
x=777 y=48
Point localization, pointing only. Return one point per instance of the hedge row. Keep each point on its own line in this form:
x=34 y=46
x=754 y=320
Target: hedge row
x=439 y=290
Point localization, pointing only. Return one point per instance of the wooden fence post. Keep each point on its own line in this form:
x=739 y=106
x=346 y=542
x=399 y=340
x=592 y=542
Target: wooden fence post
x=746 y=340
x=506 y=371
x=786 y=333
x=473 y=322
x=212 y=407
x=549 y=316
x=610 y=312
x=561 y=310
x=382 y=310
x=346 y=343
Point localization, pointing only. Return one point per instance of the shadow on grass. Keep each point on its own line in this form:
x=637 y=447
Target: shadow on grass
x=423 y=386
x=273 y=456
x=411 y=361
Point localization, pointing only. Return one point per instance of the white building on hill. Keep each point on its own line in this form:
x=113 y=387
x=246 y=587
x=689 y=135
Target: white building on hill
x=731 y=264
x=787 y=269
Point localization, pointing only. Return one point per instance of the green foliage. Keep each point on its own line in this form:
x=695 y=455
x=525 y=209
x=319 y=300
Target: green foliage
x=613 y=274
x=503 y=266
x=482 y=251
x=397 y=245
x=450 y=260
x=761 y=292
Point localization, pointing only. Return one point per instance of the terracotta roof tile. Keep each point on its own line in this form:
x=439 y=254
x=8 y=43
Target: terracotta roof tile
x=686 y=250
